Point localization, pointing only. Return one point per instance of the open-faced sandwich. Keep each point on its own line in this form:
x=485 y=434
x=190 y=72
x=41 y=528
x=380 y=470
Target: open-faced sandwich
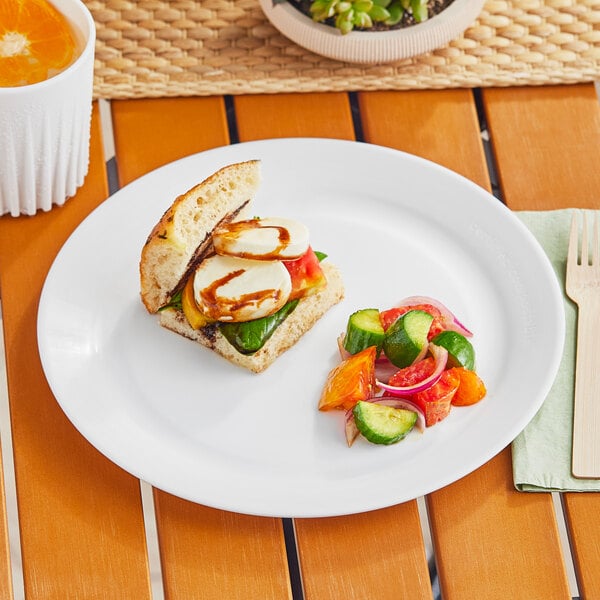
x=245 y=286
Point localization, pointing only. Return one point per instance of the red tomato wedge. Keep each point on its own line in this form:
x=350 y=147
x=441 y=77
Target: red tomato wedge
x=414 y=373
x=306 y=273
x=352 y=380
x=436 y=401
x=471 y=389
x=437 y=326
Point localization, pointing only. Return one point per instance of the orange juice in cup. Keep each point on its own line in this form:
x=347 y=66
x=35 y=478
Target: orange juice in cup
x=46 y=80
x=36 y=42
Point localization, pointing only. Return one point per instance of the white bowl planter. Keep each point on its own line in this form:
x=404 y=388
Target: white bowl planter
x=372 y=46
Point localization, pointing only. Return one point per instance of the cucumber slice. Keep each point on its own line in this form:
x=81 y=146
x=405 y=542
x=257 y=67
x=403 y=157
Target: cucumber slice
x=406 y=337
x=382 y=424
x=460 y=349
x=364 y=329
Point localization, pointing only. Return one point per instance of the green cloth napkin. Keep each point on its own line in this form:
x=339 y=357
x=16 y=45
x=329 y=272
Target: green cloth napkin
x=541 y=454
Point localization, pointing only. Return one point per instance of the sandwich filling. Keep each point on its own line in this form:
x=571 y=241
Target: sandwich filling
x=227 y=288
x=258 y=272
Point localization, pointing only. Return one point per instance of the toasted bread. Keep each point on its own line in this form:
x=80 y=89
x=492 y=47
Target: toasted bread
x=182 y=235
x=182 y=238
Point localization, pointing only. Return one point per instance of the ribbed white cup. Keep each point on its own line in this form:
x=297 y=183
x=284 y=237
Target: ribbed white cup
x=45 y=129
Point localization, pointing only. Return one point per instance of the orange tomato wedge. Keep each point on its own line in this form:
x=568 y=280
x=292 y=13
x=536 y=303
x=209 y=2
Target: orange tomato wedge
x=471 y=388
x=36 y=42
x=352 y=380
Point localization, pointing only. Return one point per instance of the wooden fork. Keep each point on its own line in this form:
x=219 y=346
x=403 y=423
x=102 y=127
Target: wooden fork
x=583 y=287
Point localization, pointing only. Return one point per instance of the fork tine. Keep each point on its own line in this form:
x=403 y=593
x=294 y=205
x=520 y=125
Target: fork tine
x=585 y=249
x=572 y=255
x=595 y=250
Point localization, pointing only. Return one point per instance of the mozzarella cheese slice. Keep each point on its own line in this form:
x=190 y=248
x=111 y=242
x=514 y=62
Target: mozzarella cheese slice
x=227 y=288
x=271 y=238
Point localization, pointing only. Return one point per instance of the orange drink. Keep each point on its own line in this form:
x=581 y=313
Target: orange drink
x=36 y=42
x=46 y=85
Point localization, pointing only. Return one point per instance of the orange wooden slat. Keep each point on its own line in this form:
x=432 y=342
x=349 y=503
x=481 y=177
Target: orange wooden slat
x=493 y=542
x=294 y=115
x=162 y=130
x=583 y=519
x=443 y=126
x=215 y=554
x=82 y=532
x=546 y=145
x=556 y=133
x=375 y=555
x=205 y=553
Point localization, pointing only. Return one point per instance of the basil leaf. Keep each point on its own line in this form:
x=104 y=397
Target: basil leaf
x=174 y=303
x=250 y=336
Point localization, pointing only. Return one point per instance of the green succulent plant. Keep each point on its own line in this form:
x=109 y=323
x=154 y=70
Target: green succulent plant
x=348 y=14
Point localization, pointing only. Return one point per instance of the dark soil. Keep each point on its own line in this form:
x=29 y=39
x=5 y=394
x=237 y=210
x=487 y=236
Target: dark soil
x=434 y=7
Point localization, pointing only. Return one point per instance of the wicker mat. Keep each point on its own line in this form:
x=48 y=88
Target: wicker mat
x=150 y=48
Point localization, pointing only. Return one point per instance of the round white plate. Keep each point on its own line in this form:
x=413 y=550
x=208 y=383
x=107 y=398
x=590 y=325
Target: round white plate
x=185 y=420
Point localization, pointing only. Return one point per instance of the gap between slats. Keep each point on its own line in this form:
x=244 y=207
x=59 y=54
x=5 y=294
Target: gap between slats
x=564 y=544
x=146 y=494
x=8 y=467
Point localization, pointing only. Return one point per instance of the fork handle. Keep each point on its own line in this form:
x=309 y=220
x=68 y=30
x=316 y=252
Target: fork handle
x=586 y=416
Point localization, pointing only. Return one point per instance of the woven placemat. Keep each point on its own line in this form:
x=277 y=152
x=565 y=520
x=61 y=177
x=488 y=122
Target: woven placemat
x=152 y=48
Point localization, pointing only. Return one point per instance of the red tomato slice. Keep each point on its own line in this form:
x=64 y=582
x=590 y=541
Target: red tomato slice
x=471 y=389
x=352 y=380
x=436 y=401
x=437 y=326
x=414 y=373
x=306 y=273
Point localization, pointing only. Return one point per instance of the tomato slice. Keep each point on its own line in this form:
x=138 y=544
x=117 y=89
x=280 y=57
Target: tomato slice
x=350 y=381
x=471 y=389
x=437 y=326
x=306 y=274
x=413 y=374
x=436 y=401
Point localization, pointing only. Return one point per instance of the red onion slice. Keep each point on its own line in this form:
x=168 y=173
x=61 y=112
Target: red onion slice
x=351 y=428
x=384 y=369
x=344 y=354
x=450 y=321
x=441 y=358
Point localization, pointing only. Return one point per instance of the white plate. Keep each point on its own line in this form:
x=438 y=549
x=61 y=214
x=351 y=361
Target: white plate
x=178 y=416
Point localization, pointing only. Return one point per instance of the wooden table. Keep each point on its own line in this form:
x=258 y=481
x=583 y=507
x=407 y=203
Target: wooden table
x=86 y=526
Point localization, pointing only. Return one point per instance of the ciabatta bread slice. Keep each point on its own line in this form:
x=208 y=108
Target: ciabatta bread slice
x=183 y=233
x=309 y=310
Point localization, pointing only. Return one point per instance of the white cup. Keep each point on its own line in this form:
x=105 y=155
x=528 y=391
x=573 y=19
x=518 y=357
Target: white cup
x=45 y=129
